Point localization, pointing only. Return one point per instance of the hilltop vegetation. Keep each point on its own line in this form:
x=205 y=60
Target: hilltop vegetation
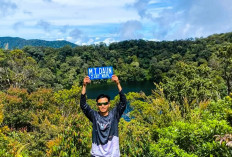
x=15 y=42
x=188 y=114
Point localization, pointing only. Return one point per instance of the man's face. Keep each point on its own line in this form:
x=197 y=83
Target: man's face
x=103 y=105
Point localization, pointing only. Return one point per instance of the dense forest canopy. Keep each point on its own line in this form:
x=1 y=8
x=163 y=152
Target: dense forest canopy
x=16 y=42
x=188 y=113
x=134 y=60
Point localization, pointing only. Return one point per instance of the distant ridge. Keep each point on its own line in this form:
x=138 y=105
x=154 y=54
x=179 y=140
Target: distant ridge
x=16 y=42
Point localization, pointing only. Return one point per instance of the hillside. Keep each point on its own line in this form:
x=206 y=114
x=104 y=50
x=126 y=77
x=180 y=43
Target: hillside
x=15 y=42
x=188 y=113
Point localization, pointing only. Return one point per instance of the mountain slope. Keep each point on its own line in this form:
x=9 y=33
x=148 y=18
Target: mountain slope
x=15 y=42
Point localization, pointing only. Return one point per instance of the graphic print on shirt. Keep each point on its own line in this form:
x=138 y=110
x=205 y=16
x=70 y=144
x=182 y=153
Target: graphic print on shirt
x=102 y=125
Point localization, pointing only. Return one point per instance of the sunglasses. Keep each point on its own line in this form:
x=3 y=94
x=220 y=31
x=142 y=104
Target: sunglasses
x=104 y=103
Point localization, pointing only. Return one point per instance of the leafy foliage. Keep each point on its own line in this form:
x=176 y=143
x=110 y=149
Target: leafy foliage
x=189 y=113
x=14 y=42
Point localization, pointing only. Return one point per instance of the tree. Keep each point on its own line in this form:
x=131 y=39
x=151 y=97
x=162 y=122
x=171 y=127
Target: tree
x=34 y=52
x=18 y=70
x=225 y=55
x=191 y=82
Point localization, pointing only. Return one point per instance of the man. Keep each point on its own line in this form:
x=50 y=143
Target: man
x=105 y=140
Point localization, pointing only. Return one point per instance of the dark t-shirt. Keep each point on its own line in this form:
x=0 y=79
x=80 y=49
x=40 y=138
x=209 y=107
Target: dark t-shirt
x=105 y=141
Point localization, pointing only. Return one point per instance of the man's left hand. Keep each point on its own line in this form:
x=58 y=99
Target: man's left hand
x=115 y=79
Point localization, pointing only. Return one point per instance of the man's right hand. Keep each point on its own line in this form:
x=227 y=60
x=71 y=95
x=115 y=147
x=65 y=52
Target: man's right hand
x=86 y=80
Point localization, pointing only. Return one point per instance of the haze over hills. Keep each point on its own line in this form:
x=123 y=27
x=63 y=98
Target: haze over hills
x=16 y=42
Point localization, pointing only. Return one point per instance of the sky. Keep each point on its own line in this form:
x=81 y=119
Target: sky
x=86 y=22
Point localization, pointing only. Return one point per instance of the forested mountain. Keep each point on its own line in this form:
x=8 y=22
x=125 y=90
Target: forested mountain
x=15 y=42
x=189 y=114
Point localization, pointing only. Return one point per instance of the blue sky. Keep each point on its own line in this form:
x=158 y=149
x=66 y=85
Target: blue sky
x=93 y=21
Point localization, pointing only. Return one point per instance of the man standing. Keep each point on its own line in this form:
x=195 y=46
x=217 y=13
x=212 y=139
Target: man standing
x=105 y=140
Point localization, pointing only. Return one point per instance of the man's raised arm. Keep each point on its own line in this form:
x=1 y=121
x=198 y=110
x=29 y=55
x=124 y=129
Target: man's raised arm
x=121 y=106
x=85 y=107
x=116 y=80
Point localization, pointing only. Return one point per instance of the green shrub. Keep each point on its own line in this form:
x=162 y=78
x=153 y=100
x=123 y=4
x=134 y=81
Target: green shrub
x=192 y=138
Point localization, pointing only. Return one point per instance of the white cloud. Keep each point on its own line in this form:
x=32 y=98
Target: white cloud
x=76 y=12
x=64 y=28
x=18 y=25
x=109 y=40
x=141 y=6
x=76 y=33
x=130 y=30
x=91 y=41
x=27 y=12
x=60 y=39
x=194 y=19
x=44 y=25
x=97 y=3
x=89 y=21
x=154 y=1
x=7 y=7
x=152 y=39
x=47 y=0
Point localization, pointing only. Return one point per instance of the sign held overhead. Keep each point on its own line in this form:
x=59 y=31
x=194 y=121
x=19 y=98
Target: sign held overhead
x=100 y=73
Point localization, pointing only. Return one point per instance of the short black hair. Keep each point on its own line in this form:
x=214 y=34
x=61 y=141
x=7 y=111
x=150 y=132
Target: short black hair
x=103 y=96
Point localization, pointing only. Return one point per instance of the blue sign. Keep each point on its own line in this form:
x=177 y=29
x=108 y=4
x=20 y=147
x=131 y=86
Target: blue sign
x=100 y=73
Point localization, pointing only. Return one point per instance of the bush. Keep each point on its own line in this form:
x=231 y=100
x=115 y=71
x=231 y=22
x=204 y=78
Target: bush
x=192 y=138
